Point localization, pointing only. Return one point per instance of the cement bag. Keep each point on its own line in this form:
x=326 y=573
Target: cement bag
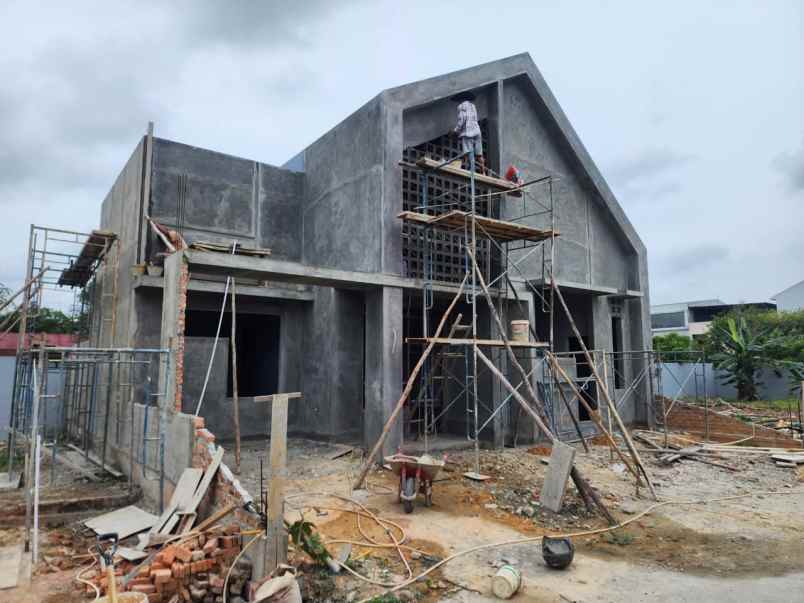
x=283 y=589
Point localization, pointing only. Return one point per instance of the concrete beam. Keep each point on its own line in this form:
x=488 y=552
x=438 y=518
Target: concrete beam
x=270 y=269
x=158 y=282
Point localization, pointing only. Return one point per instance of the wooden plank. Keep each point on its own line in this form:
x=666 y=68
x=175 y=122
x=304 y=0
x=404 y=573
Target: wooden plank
x=125 y=522
x=490 y=227
x=558 y=472
x=454 y=170
x=270 y=398
x=277 y=551
x=209 y=473
x=185 y=488
x=481 y=342
x=10 y=559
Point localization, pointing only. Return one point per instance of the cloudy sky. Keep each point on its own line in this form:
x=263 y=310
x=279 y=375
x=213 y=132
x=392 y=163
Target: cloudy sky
x=694 y=111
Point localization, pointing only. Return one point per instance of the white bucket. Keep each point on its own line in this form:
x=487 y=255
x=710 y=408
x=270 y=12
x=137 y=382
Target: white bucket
x=506 y=582
x=520 y=330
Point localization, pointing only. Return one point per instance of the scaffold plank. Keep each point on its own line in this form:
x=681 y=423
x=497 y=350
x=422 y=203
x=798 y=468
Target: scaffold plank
x=480 y=342
x=455 y=170
x=80 y=270
x=487 y=227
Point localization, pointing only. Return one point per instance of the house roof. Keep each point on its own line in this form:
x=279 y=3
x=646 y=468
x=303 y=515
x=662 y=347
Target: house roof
x=783 y=291
x=8 y=341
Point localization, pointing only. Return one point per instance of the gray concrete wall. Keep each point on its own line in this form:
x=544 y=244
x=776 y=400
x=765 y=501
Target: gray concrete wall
x=679 y=380
x=344 y=195
x=225 y=199
x=120 y=213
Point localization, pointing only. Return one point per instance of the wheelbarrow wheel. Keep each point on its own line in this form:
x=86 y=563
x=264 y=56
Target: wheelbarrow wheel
x=410 y=492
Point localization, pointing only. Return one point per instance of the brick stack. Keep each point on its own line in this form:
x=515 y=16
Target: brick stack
x=223 y=491
x=192 y=570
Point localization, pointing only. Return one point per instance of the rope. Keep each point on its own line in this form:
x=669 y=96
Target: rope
x=87 y=582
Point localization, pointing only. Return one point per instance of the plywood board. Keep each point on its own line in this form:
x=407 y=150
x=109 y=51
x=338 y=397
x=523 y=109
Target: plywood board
x=209 y=473
x=124 y=522
x=10 y=558
x=182 y=495
x=555 y=480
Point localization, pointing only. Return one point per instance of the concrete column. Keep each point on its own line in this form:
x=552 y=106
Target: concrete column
x=174 y=304
x=383 y=360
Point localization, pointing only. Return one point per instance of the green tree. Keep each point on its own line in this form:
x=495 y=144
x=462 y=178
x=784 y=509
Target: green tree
x=672 y=342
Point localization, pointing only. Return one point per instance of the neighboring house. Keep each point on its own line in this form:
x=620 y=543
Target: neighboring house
x=694 y=318
x=791 y=298
x=330 y=310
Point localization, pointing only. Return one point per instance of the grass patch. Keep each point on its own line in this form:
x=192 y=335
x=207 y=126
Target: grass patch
x=785 y=404
x=619 y=537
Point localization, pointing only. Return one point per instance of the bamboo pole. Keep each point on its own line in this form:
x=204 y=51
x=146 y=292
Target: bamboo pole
x=406 y=392
x=593 y=414
x=503 y=333
x=235 y=394
x=583 y=486
x=612 y=409
x=27 y=284
x=574 y=420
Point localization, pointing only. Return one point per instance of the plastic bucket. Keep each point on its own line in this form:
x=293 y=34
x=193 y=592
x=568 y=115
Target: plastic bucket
x=506 y=582
x=520 y=330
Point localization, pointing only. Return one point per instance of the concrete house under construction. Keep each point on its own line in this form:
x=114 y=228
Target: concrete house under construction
x=347 y=256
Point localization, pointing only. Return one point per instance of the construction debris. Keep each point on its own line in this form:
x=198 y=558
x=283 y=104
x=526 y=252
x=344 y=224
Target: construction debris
x=124 y=522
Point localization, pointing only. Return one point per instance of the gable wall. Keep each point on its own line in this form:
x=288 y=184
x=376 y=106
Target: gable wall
x=590 y=249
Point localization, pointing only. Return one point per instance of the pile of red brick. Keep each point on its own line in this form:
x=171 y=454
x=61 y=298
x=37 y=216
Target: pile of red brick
x=189 y=570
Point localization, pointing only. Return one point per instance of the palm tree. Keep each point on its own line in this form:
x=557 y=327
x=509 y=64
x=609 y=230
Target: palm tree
x=741 y=350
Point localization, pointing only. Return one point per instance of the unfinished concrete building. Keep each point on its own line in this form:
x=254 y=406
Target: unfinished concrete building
x=335 y=293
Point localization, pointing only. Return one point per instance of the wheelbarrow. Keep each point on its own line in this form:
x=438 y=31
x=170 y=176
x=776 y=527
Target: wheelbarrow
x=416 y=474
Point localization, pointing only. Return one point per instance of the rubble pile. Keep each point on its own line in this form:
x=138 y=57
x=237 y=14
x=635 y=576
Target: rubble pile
x=190 y=570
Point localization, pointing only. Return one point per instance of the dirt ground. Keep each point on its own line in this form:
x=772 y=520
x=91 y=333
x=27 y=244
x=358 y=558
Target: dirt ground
x=745 y=548
x=748 y=547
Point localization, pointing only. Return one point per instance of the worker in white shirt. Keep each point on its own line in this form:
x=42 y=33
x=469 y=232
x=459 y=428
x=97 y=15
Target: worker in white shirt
x=468 y=130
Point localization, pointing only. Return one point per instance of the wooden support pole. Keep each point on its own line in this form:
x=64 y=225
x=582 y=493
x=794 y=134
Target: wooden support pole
x=27 y=284
x=587 y=490
x=504 y=335
x=583 y=486
x=275 y=543
x=612 y=408
x=235 y=396
x=572 y=416
x=593 y=414
x=406 y=392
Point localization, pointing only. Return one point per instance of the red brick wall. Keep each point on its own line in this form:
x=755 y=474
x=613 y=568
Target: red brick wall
x=724 y=428
x=184 y=280
x=222 y=492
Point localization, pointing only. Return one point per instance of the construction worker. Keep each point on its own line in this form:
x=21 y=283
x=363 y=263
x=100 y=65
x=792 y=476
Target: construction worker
x=468 y=130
